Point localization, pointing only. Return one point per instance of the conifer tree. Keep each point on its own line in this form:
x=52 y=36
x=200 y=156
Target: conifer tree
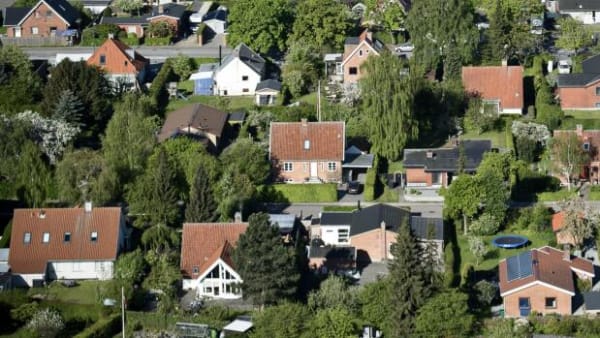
x=202 y=206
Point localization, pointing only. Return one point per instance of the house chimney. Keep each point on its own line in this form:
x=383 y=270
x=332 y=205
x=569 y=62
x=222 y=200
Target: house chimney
x=383 y=241
x=579 y=130
x=429 y=154
x=111 y=36
x=87 y=206
x=237 y=217
x=304 y=122
x=42 y=214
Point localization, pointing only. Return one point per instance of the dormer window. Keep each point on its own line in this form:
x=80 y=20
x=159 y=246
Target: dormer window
x=27 y=238
x=46 y=237
x=306 y=144
x=586 y=146
x=94 y=236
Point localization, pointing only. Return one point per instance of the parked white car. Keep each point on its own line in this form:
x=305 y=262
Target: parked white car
x=564 y=67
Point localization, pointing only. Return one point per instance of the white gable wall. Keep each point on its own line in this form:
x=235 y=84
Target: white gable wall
x=206 y=286
x=228 y=80
x=585 y=17
x=101 y=270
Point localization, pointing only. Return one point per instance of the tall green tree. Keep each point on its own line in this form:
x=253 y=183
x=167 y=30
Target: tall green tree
x=263 y=25
x=445 y=315
x=462 y=198
x=321 y=22
x=202 y=206
x=153 y=196
x=334 y=322
x=387 y=104
x=129 y=138
x=69 y=108
x=410 y=291
x=267 y=267
x=302 y=68
x=19 y=84
x=88 y=83
x=568 y=155
x=287 y=320
x=573 y=35
x=247 y=157
x=441 y=30
x=130 y=6
x=376 y=305
x=77 y=175
x=33 y=176
x=333 y=292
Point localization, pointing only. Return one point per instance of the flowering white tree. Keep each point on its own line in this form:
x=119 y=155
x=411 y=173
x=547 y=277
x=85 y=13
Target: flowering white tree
x=350 y=94
x=533 y=131
x=46 y=323
x=51 y=135
x=478 y=249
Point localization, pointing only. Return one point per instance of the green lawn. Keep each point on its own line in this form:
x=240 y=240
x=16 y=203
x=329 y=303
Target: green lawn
x=494 y=254
x=396 y=167
x=498 y=138
x=559 y=195
x=299 y=193
x=594 y=194
x=227 y=103
x=579 y=114
x=86 y=292
x=388 y=196
x=338 y=208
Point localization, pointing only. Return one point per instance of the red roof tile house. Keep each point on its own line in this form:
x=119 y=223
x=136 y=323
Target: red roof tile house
x=356 y=52
x=124 y=67
x=48 y=19
x=563 y=237
x=65 y=243
x=581 y=91
x=206 y=263
x=500 y=87
x=541 y=281
x=590 y=141
x=304 y=151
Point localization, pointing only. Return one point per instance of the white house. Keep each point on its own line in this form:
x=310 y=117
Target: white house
x=206 y=262
x=586 y=11
x=239 y=73
x=96 y=6
x=65 y=243
x=216 y=20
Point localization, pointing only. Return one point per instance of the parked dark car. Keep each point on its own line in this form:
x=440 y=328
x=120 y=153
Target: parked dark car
x=354 y=188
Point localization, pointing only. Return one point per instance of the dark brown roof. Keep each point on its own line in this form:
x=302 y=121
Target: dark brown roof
x=504 y=83
x=326 y=141
x=204 y=243
x=197 y=116
x=34 y=256
x=549 y=267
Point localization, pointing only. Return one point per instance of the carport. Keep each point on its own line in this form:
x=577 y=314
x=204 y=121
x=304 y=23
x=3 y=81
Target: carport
x=355 y=165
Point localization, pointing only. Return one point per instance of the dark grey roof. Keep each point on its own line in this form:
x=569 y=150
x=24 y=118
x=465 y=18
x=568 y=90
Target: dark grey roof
x=96 y=2
x=446 y=159
x=247 y=56
x=269 y=84
x=237 y=117
x=592 y=300
x=368 y=219
x=578 y=5
x=421 y=227
x=13 y=15
x=332 y=252
x=126 y=20
x=170 y=9
x=352 y=40
x=591 y=65
x=65 y=10
x=218 y=14
x=358 y=160
x=576 y=80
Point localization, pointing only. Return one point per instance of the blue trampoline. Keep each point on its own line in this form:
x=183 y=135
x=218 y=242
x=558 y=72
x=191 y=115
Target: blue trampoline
x=510 y=241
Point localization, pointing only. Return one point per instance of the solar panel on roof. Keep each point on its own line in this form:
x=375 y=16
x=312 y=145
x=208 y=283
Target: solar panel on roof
x=519 y=266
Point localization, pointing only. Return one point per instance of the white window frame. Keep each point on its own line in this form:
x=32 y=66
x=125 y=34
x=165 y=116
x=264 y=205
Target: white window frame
x=306 y=144
x=46 y=237
x=331 y=166
x=27 y=237
x=343 y=235
x=94 y=236
x=288 y=166
x=35 y=30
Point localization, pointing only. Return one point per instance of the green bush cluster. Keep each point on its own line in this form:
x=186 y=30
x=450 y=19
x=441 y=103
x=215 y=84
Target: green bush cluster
x=536 y=218
x=148 y=41
x=547 y=111
x=158 y=90
x=105 y=327
x=449 y=262
x=96 y=35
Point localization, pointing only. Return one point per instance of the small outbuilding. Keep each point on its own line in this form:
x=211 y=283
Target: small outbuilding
x=267 y=91
x=203 y=79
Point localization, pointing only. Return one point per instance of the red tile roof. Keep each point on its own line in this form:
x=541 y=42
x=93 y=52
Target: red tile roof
x=119 y=58
x=557 y=221
x=504 y=83
x=33 y=257
x=204 y=243
x=549 y=267
x=326 y=141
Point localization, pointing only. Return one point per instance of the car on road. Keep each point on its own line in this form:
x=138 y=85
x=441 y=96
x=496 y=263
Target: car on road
x=405 y=48
x=354 y=188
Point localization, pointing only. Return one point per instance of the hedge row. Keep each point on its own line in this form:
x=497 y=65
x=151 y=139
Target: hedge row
x=157 y=41
x=105 y=327
x=158 y=90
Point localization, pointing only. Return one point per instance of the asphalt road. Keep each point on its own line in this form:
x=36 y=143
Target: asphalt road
x=150 y=52
x=309 y=210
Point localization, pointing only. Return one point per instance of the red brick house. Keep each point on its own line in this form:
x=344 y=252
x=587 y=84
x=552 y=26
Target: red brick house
x=590 y=141
x=500 y=87
x=372 y=230
x=305 y=151
x=541 y=281
x=122 y=64
x=48 y=18
x=356 y=51
x=172 y=13
x=69 y=243
x=206 y=263
x=435 y=168
x=581 y=91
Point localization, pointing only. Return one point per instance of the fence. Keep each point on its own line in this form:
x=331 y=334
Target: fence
x=36 y=41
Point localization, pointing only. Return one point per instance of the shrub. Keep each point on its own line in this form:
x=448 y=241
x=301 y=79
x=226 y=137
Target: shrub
x=550 y=115
x=486 y=292
x=478 y=117
x=149 y=41
x=158 y=91
x=182 y=66
x=46 y=323
x=105 y=327
x=369 y=191
x=449 y=262
x=24 y=312
x=485 y=225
